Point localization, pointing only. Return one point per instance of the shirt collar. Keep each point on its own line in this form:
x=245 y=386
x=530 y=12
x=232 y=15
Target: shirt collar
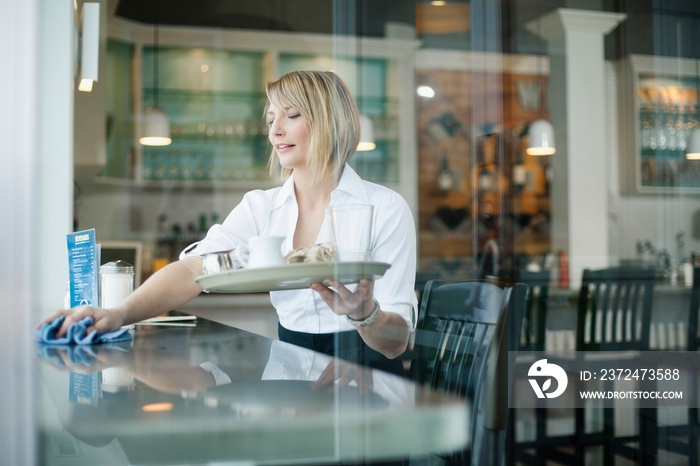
x=350 y=182
x=285 y=192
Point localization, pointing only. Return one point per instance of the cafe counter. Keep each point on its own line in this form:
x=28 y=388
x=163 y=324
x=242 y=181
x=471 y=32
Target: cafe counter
x=252 y=312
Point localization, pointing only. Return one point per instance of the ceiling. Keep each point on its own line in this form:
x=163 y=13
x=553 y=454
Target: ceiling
x=435 y=27
x=275 y=15
x=447 y=26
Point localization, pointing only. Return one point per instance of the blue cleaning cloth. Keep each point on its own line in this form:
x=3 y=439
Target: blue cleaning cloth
x=78 y=355
x=77 y=333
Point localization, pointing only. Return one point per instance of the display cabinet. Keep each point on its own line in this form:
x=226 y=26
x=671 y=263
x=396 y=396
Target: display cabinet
x=215 y=102
x=657 y=115
x=211 y=84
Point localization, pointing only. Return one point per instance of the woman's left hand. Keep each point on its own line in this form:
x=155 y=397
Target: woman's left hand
x=344 y=372
x=358 y=305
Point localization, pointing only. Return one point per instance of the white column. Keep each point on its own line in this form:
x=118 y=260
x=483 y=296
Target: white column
x=577 y=102
x=36 y=124
x=19 y=32
x=54 y=219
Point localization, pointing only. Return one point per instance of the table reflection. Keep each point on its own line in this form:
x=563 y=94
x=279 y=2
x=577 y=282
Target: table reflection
x=215 y=393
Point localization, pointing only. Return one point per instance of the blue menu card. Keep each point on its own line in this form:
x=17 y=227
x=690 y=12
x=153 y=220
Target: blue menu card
x=83 y=258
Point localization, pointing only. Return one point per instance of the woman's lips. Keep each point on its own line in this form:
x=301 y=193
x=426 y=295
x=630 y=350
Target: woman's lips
x=283 y=147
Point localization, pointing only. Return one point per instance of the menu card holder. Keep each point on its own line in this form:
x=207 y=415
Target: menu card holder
x=83 y=257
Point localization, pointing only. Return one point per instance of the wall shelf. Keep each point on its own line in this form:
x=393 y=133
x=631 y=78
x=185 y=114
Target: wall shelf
x=663 y=102
x=183 y=184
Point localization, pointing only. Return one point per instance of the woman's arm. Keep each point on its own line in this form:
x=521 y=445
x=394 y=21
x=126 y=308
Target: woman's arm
x=389 y=332
x=167 y=289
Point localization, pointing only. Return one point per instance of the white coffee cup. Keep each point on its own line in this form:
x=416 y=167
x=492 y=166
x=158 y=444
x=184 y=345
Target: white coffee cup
x=263 y=251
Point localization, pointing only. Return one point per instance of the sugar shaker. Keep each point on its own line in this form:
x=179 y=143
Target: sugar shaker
x=116 y=283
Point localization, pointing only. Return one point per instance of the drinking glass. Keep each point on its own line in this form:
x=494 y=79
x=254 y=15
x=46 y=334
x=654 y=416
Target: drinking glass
x=351 y=227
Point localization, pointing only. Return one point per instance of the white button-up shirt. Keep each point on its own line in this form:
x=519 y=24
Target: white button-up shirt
x=274 y=212
x=291 y=362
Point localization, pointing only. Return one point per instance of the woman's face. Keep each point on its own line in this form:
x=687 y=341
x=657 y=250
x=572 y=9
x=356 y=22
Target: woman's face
x=289 y=135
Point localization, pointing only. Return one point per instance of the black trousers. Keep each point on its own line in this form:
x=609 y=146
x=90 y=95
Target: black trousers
x=345 y=345
x=351 y=347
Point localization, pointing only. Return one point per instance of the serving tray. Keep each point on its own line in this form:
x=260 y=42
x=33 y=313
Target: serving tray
x=290 y=276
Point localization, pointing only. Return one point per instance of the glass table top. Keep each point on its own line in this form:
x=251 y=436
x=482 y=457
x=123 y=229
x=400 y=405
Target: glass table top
x=206 y=392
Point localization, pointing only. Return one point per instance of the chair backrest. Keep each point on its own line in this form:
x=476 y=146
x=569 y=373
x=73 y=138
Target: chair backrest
x=534 y=326
x=463 y=325
x=614 y=309
x=693 y=337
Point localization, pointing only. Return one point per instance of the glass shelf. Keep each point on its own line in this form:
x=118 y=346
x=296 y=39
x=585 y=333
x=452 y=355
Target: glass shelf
x=669 y=170
x=215 y=100
x=241 y=185
x=666 y=109
x=148 y=92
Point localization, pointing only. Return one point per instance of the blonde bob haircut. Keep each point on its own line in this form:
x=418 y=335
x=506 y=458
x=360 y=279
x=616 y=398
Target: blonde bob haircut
x=330 y=113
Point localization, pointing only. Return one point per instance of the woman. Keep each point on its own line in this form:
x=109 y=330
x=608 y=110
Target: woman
x=314 y=130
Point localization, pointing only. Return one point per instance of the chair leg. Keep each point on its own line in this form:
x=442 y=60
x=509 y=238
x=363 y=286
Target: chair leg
x=609 y=431
x=580 y=433
x=648 y=436
x=693 y=434
x=540 y=431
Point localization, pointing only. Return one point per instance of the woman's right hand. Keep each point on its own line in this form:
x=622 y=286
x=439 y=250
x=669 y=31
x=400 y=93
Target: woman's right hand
x=104 y=320
x=105 y=358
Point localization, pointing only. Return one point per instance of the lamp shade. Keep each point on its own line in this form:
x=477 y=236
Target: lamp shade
x=541 y=137
x=156 y=128
x=366 y=134
x=89 y=45
x=693 y=152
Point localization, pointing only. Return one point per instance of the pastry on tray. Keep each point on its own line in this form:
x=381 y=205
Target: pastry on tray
x=317 y=253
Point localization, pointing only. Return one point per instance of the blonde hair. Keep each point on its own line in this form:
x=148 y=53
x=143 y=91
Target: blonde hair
x=330 y=113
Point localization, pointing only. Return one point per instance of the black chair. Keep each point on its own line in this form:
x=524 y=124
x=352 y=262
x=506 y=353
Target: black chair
x=614 y=309
x=614 y=314
x=683 y=439
x=534 y=326
x=693 y=314
x=464 y=333
x=532 y=338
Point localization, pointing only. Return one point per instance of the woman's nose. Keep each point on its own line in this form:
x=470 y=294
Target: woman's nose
x=275 y=129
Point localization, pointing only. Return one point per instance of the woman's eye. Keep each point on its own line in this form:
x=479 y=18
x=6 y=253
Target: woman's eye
x=269 y=122
x=294 y=116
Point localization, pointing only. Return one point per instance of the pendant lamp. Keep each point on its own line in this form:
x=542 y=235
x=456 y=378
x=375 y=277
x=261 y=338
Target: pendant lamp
x=89 y=45
x=541 y=132
x=156 y=124
x=366 y=134
x=693 y=147
x=156 y=128
x=541 y=138
x=366 y=129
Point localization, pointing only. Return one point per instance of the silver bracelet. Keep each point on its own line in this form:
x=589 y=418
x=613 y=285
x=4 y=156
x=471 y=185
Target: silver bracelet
x=370 y=318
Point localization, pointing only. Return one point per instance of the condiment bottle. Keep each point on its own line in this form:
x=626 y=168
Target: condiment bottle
x=445 y=177
x=563 y=273
x=116 y=283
